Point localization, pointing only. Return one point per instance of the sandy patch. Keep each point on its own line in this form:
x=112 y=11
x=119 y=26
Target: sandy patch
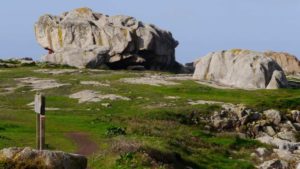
x=96 y=70
x=213 y=84
x=179 y=77
x=159 y=105
x=93 y=96
x=94 y=83
x=39 y=84
x=157 y=80
x=85 y=145
x=7 y=90
x=148 y=81
x=204 y=102
x=172 y=97
x=56 y=71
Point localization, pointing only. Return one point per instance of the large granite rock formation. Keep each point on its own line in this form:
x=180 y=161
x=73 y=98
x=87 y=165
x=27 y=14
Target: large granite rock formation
x=23 y=158
x=83 y=38
x=240 y=68
x=289 y=63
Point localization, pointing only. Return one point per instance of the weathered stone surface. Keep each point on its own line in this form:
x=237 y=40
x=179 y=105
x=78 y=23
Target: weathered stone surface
x=83 y=38
x=277 y=81
x=287 y=155
x=38 y=84
x=241 y=69
x=273 y=116
x=262 y=152
x=298 y=166
x=20 y=158
x=269 y=127
x=270 y=131
x=295 y=116
x=93 y=96
x=78 y=57
x=274 y=164
x=287 y=135
x=289 y=63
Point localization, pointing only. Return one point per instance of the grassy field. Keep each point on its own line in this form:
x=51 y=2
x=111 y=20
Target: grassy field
x=149 y=131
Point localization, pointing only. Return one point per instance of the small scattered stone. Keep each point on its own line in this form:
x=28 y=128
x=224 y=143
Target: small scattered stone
x=279 y=143
x=270 y=131
x=295 y=116
x=106 y=104
x=273 y=116
x=52 y=109
x=297 y=126
x=287 y=135
x=262 y=152
x=274 y=164
x=172 y=97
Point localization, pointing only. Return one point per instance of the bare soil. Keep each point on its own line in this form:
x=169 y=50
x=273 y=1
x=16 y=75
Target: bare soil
x=85 y=146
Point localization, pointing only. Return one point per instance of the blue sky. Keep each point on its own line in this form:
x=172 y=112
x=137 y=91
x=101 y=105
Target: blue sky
x=200 y=26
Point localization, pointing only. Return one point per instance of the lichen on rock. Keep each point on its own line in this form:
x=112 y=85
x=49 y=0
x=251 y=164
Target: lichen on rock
x=21 y=158
x=103 y=36
x=240 y=69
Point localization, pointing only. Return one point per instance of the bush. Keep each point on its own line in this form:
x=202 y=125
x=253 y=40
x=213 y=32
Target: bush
x=115 y=131
x=125 y=159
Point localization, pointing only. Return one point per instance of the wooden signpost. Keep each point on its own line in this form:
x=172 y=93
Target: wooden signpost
x=39 y=108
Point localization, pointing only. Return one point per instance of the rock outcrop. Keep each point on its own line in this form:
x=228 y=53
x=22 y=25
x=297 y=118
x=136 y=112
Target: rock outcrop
x=21 y=158
x=83 y=38
x=17 y=62
x=289 y=63
x=241 y=69
x=280 y=130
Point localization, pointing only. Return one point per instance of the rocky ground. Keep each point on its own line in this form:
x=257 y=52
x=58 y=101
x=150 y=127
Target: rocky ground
x=133 y=119
x=272 y=127
x=19 y=158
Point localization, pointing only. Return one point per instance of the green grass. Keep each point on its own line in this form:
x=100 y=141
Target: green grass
x=168 y=132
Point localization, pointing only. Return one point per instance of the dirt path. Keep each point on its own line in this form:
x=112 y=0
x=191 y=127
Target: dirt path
x=85 y=145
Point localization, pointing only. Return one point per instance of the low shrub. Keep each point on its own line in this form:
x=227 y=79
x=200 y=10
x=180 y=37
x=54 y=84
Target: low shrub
x=115 y=131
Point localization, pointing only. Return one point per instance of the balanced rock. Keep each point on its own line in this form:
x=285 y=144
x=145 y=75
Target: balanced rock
x=241 y=69
x=21 y=158
x=83 y=38
x=289 y=63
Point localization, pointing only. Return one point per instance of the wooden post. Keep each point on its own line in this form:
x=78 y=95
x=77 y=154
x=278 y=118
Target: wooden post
x=42 y=132
x=39 y=108
x=38 y=131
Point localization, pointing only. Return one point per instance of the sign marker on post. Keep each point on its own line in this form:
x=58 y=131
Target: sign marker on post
x=39 y=108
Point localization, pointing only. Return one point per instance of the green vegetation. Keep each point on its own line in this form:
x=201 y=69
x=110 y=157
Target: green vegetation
x=115 y=131
x=150 y=131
